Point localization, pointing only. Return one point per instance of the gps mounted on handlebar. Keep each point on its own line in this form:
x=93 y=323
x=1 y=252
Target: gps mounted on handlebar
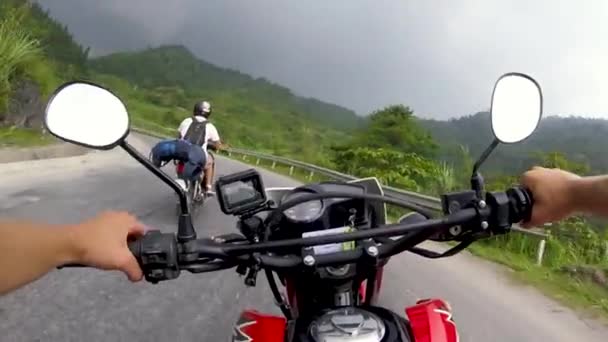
x=240 y=192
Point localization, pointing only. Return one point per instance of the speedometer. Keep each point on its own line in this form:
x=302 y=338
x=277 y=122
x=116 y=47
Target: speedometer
x=303 y=212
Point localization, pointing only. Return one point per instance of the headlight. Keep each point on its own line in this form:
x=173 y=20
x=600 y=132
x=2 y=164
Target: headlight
x=304 y=212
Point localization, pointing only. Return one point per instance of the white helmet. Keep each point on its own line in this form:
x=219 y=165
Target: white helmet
x=206 y=107
x=202 y=108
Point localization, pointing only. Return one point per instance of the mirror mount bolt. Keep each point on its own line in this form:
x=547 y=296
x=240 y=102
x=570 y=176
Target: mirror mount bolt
x=477 y=184
x=309 y=260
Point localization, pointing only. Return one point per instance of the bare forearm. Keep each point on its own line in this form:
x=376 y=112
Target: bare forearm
x=30 y=250
x=590 y=195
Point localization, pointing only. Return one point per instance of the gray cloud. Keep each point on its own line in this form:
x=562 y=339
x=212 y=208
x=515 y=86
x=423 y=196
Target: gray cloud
x=441 y=57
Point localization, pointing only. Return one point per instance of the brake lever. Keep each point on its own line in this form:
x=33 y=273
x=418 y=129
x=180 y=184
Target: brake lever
x=450 y=252
x=229 y=238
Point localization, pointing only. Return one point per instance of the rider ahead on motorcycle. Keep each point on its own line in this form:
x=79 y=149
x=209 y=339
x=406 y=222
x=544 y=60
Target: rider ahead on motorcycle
x=199 y=131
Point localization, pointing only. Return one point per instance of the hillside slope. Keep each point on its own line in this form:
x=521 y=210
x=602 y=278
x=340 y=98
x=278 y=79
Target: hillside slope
x=176 y=66
x=160 y=86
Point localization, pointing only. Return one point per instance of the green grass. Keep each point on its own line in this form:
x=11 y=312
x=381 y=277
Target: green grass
x=575 y=293
x=152 y=127
x=21 y=137
x=298 y=174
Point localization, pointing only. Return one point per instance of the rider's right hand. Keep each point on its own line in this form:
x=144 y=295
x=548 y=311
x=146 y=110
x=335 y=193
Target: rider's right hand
x=101 y=242
x=553 y=192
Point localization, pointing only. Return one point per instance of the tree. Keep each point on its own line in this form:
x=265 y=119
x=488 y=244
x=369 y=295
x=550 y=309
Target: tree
x=559 y=161
x=395 y=127
x=404 y=170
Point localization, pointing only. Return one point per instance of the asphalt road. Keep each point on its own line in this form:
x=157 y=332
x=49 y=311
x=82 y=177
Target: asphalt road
x=90 y=305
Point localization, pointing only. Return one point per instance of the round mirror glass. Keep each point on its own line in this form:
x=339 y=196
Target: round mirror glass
x=516 y=107
x=88 y=115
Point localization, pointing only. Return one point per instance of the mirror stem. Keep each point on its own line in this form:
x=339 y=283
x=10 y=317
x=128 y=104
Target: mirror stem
x=477 y=182
x=485 y=155
x=185 y=230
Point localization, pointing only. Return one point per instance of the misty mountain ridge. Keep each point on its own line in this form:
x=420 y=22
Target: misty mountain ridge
x=176 y=65
x=263 y=115
x=580 y=139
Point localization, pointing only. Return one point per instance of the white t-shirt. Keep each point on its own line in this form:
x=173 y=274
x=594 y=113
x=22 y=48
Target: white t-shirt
x=210 y=133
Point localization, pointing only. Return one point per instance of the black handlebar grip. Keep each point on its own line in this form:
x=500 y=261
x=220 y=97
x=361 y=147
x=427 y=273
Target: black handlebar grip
x=135 y=248
x=522 y=202
x=530 y=204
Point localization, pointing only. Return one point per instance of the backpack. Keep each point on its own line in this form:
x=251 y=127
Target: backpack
x=167 y=150
x=196 y=132
x=192 y=156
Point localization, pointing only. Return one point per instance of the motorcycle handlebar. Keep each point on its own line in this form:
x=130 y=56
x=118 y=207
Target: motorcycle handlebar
x=161 y=252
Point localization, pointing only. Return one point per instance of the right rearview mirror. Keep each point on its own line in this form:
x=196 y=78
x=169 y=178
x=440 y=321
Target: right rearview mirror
x=517 y=105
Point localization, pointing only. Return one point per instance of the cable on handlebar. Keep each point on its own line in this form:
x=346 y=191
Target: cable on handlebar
x=209 y=266
x=277 y=294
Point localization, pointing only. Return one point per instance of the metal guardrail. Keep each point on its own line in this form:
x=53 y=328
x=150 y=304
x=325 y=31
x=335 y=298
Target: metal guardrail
x=427 y=202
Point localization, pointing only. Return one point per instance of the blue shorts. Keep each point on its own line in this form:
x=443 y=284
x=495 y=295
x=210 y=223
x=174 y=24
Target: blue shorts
x=193 y=156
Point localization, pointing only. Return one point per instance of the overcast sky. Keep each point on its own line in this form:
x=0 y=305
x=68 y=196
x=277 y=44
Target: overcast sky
x=440 y=57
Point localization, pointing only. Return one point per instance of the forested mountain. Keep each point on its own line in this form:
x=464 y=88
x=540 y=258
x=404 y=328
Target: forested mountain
x=177 y=66
x=160 y=86
x=580 y=139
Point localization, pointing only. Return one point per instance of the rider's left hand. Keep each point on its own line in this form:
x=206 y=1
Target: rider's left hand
x=101 y=242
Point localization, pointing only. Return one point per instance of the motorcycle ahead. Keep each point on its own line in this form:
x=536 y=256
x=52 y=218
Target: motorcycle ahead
x=195 y=195
x=326 y=243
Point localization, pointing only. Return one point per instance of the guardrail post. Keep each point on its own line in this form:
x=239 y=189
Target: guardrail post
x=274 y=164
x=541 y=252
x=312 y=173
x=244 y=157
x=229 y=154
x=291 y=171
x=257 y=162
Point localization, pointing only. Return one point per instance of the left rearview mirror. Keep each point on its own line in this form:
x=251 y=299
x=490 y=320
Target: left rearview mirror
x=87 y=114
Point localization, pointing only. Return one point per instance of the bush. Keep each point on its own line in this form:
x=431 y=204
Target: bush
x=17 y=49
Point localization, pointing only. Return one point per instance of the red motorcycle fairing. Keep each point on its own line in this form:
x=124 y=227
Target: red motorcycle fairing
x=254 y=326
x=431 y=321
x=362 y=290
